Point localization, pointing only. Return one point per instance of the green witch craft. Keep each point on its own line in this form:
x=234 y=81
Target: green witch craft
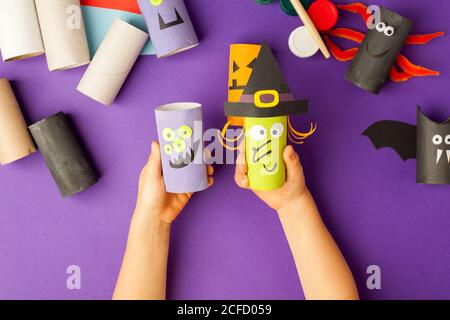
x=266 y=106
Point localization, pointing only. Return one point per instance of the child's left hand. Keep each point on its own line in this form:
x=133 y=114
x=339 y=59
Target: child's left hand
x=153 y=201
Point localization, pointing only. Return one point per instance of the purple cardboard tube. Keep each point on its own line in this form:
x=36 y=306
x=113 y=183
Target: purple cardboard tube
x=180 y=133
x=169 y=25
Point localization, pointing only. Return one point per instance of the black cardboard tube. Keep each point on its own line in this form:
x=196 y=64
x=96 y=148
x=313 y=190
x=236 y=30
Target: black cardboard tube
x=378 y=52
x=432 y=168
x=64 y=155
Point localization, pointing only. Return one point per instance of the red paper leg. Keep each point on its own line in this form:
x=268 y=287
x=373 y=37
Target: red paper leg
x=423 y=38
x=397 y=76
x=356 y=7
x=414 y=70
x=338 y=53
x=347 y=33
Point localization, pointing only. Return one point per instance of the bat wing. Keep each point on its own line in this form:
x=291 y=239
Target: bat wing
x=399 y=136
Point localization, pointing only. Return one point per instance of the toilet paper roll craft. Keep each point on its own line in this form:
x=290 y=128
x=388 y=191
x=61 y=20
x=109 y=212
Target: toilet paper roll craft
x=304 y=17
x=20 y=34
x=113 y=62
x=63 y=154
x=99 y=15
x=428 y=142
x=63 y=33
x=242 y=60
x=379 y=51
x=180 y=133
x=266 y=104
x=15 y=139
x=169 y=25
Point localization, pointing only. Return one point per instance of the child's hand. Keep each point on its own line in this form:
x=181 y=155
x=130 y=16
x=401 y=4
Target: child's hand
x=292 y=190
x=153 y=201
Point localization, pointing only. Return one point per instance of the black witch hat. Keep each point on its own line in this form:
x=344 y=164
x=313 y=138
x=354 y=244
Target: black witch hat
x=267 y=93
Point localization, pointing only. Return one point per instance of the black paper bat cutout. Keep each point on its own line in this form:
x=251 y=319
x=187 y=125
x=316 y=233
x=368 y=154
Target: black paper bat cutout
x=428 y=142
x=397 y=135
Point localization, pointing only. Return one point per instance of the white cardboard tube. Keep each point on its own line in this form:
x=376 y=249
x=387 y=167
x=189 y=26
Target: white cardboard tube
x=20 y=35
x=63 y=33
x=112 y=63
x=15 y=139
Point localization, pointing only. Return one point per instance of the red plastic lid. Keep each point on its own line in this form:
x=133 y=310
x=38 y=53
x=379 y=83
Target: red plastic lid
x=324 y=14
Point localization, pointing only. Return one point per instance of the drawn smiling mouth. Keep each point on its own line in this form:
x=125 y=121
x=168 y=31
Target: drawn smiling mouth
x=272 y=169
x=183 y=161
x=266 y=154
x=377 y=55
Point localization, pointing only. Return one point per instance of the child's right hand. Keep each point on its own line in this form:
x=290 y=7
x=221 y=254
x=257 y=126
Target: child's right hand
x=154 y=202
x=293 y=189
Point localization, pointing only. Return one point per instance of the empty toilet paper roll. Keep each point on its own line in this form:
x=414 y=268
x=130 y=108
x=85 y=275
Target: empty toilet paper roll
x=169 y=25
x=20 y=35
x=15 y=139
x=63 y=33
x=64 y=155
x=113 y=62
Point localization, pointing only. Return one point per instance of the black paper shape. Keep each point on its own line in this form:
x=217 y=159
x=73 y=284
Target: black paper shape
x=266 y=76
x=249 y=110
x=429 y=142
x=433 y=141
x=164 y=25
x=378 y=52
x=399 y=136
x=63 y=154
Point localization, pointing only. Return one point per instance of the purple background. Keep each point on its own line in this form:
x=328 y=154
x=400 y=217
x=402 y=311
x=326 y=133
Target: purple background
x=227 y=244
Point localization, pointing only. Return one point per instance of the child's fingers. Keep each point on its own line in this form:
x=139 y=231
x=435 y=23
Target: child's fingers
x=292 y=160
x=210 y=181
x=154 y=161
x=241 y=168
x=241 y=155
x=241 y=164
x=210 y=170
x=241 y=180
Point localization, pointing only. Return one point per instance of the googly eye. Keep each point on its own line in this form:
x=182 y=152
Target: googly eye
x=168 y=134
x=258 y=132
x=437 y=139
x=380 y=26
x=168 y=149
x=389 y=31
x=184 y=132
x=156 y=2
x=277 y=130
x=179 y=145
x=447 y=139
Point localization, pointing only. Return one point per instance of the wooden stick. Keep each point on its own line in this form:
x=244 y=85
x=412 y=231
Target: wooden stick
x=310 y=27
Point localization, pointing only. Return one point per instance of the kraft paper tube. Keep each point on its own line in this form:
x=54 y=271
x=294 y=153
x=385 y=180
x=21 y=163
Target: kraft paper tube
x=15 y=139
x=63 y=33
x=265 y=142
x=169 y=25
x=180 y=133
x=63 y=154
x=20 y=35
x=113 y=62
